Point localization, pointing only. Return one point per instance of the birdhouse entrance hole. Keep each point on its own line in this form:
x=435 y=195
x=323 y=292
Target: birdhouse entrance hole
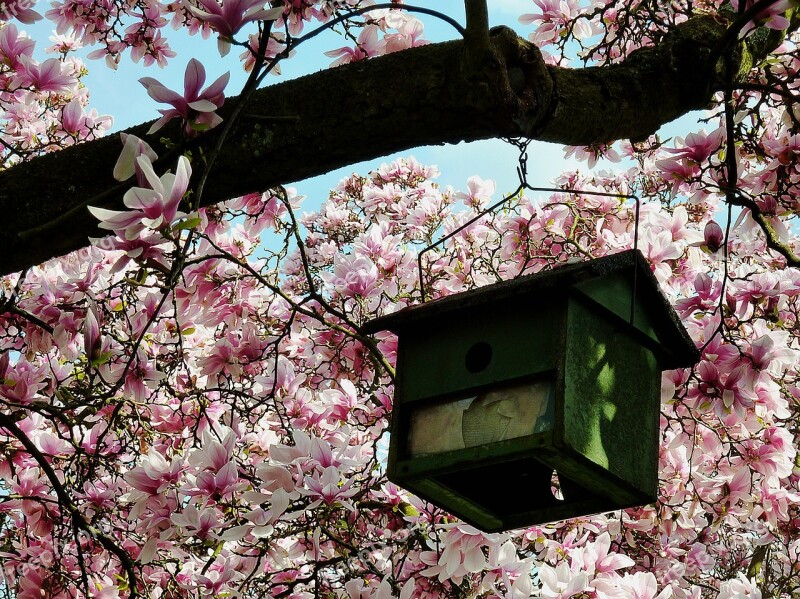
x=478 y=357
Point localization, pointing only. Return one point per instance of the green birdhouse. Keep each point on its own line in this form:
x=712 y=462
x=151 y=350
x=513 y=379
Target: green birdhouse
x=536 y=399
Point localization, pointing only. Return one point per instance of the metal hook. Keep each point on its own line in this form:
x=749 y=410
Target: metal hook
x=522 y=173
x=525 y=186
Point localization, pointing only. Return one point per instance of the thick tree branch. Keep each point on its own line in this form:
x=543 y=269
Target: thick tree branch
x=423 y=96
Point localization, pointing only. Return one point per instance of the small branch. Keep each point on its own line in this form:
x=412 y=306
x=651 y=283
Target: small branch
x=9 y=305
x=378 y=358
x=732 y=194
x=732 y=34
x=774 y=242
x=30 y=318
x=476 y=39
x=764 y=89
x=349 y=14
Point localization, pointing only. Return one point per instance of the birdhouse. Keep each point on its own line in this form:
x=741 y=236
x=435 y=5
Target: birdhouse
x=535 y=399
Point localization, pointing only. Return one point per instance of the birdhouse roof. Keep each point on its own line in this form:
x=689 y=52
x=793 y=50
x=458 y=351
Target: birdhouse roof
x=553 y=285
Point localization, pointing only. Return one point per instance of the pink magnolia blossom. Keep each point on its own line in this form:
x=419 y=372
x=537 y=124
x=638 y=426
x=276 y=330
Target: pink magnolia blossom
x=639 y=585
x=127 y=165
x=771 y=351
x=697 y=147
x=728 y=392
x=739 y=588
x=142 y=377
x=661 y=249
x=91 y=334
x=713 y=237
x=368 y=45
x=155 y=474
x=771 y=455
x=276 y=45
x=214 y=454
x=154 y=207
x=14 y=47
x=21 y=10
x=297 y=12
x=479 y=194
x=592 y=153
x=30 y=487
x=214 y=483
x=231 y=16
x=739 y=488
x=196 y=108
x=201 y=523
x=560 y=582
x=214 y=582
x=274 y=478
x=771 y=16
x=73 y=118
x=359 y=589
x=355 y=276
x=63 y=44
x=409 y=31
x=80 y=125
x=329 y=488
x=678 y=171
x=462 y=555
x=597 y=557
x=706 y=297
x=552 y=20
x=21 y=381
x=45 y=77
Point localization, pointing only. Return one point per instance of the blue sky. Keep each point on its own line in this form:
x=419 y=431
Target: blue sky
x=118 y=93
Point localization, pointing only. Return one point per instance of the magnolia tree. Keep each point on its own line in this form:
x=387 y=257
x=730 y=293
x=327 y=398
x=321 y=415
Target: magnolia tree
x=188 y=406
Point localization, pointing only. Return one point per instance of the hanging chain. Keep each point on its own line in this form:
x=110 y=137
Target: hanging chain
x=522 y=174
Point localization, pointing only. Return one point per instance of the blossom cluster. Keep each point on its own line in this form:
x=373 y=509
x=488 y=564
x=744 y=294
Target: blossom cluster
x=189 y=407
x=43 y=106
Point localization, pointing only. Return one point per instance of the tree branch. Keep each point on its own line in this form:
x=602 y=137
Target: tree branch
x=434 y=99
x=477 y=35
x=774 y=242
x=66 y=502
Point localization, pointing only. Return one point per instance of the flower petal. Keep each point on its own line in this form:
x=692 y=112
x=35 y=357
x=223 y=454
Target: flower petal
x=159 y=93
x=203 y=106
x=193 y=79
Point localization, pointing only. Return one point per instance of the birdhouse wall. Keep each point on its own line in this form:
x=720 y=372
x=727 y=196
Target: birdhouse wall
x=611 y=403
x=433 y=358
x=615 y=292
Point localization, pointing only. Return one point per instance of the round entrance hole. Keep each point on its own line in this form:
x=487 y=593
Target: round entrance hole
x=478 y=357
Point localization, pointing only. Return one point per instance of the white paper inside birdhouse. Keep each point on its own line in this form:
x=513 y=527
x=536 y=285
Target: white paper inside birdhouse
x=493 y=416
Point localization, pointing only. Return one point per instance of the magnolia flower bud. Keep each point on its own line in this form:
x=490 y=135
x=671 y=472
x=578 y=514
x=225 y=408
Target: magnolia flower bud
x=713 y=236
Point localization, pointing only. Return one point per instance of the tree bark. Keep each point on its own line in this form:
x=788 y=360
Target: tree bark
x=423 y=96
